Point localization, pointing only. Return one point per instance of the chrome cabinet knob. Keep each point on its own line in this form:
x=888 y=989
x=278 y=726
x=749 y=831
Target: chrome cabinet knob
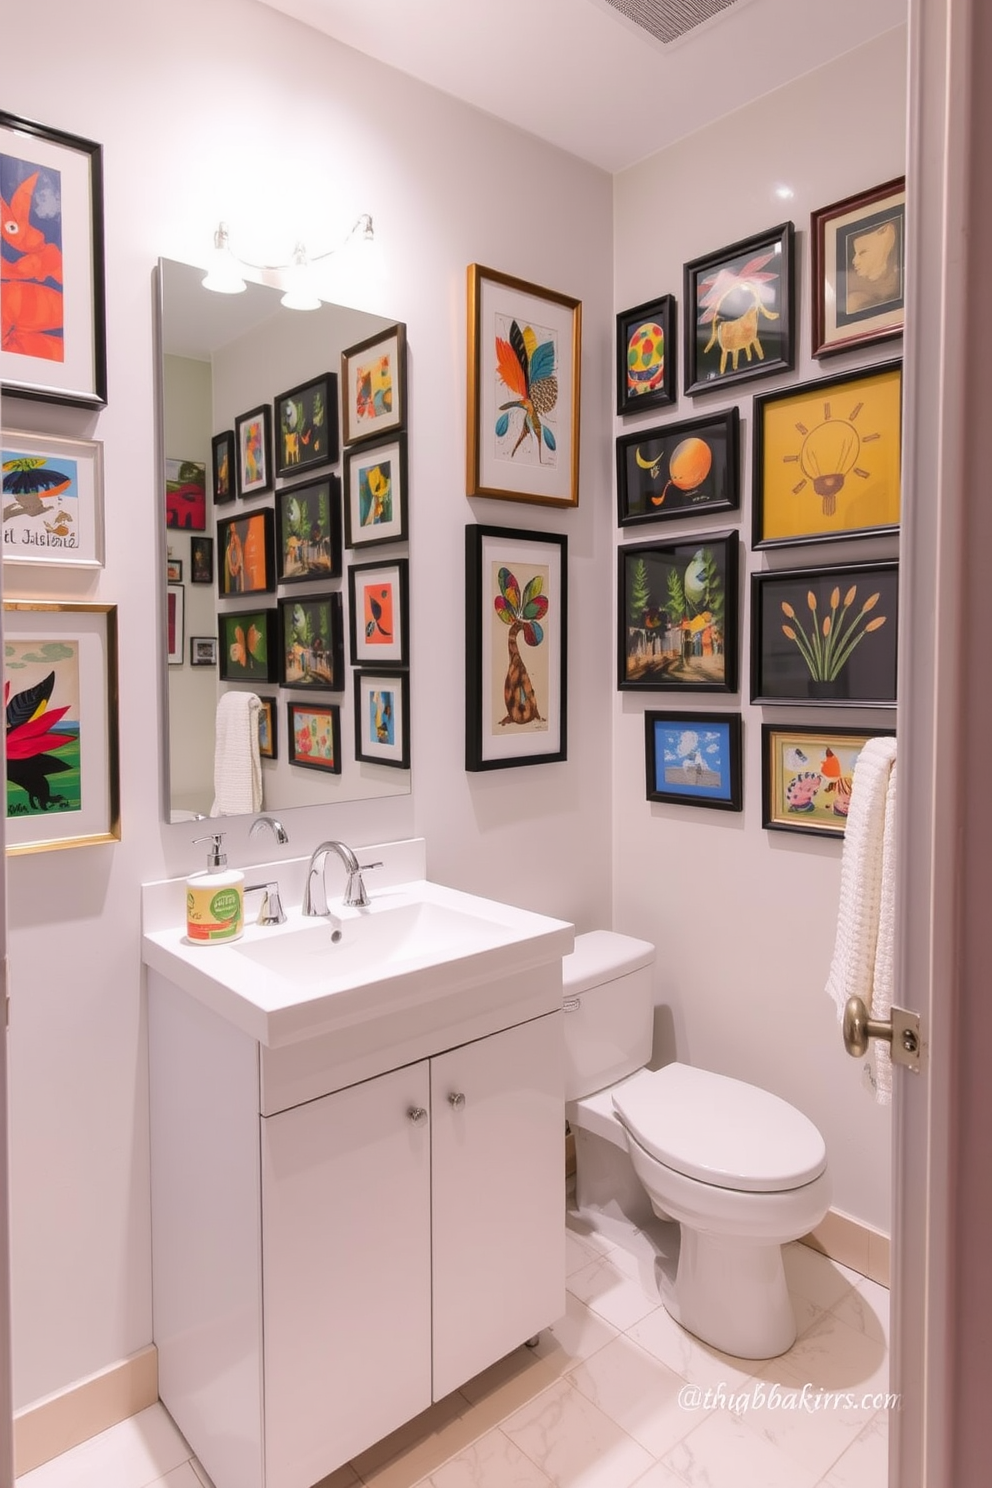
x=456 y=1100
x=417 y=1115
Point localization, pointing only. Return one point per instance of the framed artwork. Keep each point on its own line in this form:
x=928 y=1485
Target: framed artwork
x=677 y=614
x=253 y=451
x=203 y=651
x=378 y=613
x=315 y=736
x=60 y=683
x=524 y=357
x=246 y=554
x=516 y=628
x=311 y=642
x=373 y=385
x=806 y=776
x=174 y=570
x=54 y=344
x=268 y=729
x=694 y=759
x=52 y=500
x=201 y=554
x=382 y=718
x=308 y=529
x=827 y=458
x=246 y=645
x=679 y=470
x=646 y=356
x=859 y=269
x=175 y=601
x=825 y=635
x=222 y=464
x=186 y=495
x=307 y=425
x=739 y=311
x=375 y=494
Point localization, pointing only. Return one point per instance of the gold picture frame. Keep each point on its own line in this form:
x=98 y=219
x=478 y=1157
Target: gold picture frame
x=524 y=359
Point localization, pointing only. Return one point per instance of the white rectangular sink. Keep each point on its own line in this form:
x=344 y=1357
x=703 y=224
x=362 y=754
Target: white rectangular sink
x=415 y=944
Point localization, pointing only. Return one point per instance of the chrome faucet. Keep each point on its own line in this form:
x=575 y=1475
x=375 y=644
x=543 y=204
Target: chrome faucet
x=274 y=825
x=315 y=892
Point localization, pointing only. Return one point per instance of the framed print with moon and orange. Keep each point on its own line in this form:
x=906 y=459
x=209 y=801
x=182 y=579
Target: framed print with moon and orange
x=827 y=458
x=679 y=470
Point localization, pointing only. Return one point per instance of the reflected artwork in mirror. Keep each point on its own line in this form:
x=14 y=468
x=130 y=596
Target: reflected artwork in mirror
x=220 y=356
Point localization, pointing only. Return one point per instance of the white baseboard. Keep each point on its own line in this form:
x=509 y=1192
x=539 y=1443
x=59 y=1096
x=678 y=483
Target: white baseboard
x=853 y=1244
x=58 y=1422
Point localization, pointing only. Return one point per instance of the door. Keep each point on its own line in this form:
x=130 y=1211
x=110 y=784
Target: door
x=498 y=1196
x=346 y=1273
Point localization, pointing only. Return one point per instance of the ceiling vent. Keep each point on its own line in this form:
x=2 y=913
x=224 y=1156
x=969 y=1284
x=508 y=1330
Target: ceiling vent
x=669 y=19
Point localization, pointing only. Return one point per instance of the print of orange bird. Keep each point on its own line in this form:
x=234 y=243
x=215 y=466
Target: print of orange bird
x=527 y=370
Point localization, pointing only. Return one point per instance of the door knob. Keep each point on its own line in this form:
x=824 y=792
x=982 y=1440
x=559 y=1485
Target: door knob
x=901 y=1031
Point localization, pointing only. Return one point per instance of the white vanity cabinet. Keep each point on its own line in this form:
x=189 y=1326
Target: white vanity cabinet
x=347 y=1227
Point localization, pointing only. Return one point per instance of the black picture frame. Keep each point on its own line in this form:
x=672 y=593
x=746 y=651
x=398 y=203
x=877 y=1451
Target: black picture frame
x=376 y=498
x=368 y=411
x=253 y=451
x=319 y=725
x=382 y=718
x=378 y=613
x=201 y=552
x=268 y=728
x=815 y=800
x=677 y=614
x=63 y=167
x=223 y=471
x=246 y=554
x=246 y=645
x=646 y=380
x=685 y=469
x=751 y=279
x=808 y=629
x=516 y=651
x=203 y=651
x=694 y=759
x=311 y=643
x=308 y=531
x=306 y=426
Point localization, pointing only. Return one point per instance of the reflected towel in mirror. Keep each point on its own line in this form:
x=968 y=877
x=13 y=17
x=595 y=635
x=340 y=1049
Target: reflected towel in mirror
x=237 y=764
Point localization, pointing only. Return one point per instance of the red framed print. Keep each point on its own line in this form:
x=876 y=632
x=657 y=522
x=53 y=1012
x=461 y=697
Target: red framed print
x=314 y=731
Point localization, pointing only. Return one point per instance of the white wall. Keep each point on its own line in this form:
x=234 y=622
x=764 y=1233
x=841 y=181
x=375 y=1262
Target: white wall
x=743 y=917
x=231 y=110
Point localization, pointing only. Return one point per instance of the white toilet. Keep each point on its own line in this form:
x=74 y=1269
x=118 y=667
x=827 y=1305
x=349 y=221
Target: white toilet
x=742 y=1171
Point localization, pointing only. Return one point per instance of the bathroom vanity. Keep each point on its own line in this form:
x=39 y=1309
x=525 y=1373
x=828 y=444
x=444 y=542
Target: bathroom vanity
x=357 y=1165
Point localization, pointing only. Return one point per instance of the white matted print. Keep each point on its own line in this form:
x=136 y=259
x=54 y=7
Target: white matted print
x=52 y=500
x=382 y=718
x=373 y=385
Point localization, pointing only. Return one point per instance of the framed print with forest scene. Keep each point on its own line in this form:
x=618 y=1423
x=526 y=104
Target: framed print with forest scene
x=524 y=357
x=693 y=759
x=308 y=519
x=245 y=549
x=314 y=731
x=60 y=685
x=679 y=470
x=859 y=269
x=646 y=356
x=311 y=646
x=375 y=494
x=825 y=635
x=677 y=615
x=52 y=500
x=52 y=296
x=827 y=458
x=378 y=612
x=516 y=629
x=739 y=305
x=382 y=718
x=246 y=645
x=307 y=425
x=807 y=775
x=373 y=385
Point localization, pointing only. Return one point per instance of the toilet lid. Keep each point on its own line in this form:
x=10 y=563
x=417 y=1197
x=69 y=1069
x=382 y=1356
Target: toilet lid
x=720 y=1131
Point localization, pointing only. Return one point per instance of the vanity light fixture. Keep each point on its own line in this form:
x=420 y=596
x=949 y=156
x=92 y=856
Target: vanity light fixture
x=225 y=276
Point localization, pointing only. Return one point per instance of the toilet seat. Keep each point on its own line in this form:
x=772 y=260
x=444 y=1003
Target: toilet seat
x=720 y=1131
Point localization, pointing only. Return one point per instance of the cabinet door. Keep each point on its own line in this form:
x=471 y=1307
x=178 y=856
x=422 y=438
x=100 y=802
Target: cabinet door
x=346 y=1273
x=498 y=1196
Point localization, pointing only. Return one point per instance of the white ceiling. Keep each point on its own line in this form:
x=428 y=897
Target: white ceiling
x=575 y=73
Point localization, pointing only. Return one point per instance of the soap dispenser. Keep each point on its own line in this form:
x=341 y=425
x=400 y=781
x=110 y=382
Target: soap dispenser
x=215 y=904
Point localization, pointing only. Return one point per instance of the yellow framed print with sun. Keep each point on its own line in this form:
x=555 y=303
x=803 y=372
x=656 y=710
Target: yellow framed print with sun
x=827 y=458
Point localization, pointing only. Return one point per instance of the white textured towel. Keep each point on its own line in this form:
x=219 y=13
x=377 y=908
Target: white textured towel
x=237 y=764
x=863 y=948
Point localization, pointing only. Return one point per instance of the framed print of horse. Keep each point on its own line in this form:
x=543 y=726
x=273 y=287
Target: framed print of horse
x=739 y=311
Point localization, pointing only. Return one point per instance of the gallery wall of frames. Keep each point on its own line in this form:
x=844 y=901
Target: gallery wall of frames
x=824 y=468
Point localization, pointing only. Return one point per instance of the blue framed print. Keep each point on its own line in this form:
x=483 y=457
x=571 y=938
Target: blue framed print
x=694 y=759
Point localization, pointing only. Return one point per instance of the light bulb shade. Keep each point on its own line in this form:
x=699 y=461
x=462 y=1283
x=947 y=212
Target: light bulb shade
x=300 y=293
x=223 y=276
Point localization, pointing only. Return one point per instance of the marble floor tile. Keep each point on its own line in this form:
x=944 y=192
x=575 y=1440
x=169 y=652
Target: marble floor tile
x=866 y=1309
x=723 y=1452
x=815 y=1276
x=132 y=1454
x=696 y=1362
x=494 y=1461
x=182 y=1476
x=637 y=1391
x=865 y=1464
x=575 y=1443
x=834 y=1356
x=607 y=1286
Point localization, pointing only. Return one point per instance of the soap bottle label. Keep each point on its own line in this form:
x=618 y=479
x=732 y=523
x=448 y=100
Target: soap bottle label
x=213 y=914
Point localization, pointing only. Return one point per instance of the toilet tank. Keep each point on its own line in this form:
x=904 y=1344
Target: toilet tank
x=609 y=1010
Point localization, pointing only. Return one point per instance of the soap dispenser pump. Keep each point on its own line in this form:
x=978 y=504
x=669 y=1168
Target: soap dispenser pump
x=215 y=898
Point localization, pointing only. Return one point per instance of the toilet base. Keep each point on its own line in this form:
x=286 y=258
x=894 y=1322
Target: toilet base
x=608 y=1193
x=733 y=1295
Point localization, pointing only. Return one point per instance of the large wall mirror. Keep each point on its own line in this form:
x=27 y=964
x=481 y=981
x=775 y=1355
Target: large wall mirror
x=222 y=357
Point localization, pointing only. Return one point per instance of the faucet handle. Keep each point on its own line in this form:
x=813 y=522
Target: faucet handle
x=270 y=911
